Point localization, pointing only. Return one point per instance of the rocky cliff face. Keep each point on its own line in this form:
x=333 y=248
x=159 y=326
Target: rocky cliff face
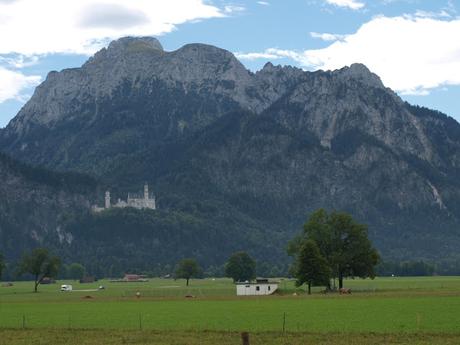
x=267 y=147
x=185 y=90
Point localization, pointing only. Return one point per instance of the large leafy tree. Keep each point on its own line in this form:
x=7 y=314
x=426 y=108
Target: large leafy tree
x=40 y=263
x=76 y=271
x=311 y=267
x=342 y=241
x=240 y=267
x=187 y=269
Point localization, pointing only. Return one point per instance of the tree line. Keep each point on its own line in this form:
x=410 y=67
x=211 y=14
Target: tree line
x=40 y=264
x=332 y=247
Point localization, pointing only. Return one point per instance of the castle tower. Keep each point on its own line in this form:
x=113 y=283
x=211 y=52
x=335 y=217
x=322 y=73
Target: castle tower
x=107 y=199
x=146 y=191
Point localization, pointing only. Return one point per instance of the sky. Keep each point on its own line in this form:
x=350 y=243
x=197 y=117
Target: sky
x=413 y=45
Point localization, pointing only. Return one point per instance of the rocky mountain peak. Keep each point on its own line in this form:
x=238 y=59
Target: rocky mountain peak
x=125 y=47
x=360 y=72
x=268 y=67
x=204 y=52
x=198 y=62
x=126 y=43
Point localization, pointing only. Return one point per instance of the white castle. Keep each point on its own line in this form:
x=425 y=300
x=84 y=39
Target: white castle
x=136 y=201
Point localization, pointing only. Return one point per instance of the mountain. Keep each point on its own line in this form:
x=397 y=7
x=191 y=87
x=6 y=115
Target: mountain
x=248 y=155
x=36 y=203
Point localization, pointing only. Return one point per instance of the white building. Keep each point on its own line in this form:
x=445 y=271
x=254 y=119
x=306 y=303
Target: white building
x=260 y=288
x=137 y=201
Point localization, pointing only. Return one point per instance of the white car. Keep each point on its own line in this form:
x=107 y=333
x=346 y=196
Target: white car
x=66 y=287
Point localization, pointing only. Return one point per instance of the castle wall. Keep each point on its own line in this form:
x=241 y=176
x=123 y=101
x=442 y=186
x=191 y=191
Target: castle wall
x=139 y=202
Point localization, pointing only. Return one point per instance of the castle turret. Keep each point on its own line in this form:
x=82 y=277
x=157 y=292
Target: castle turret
x=146 y=191
x=107 y=199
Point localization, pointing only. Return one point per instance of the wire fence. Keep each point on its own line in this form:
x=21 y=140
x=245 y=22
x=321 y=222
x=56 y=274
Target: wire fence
x=140 y=321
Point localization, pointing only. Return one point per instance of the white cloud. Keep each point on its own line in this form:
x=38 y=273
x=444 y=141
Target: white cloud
x=14 y=83
x=327 y=36
x=411 y=54
x=351 y=4
x=270 y=54
x=112 y=16
x=57 y=26
x=264 y=3
x=19 y=61
x=256 y=56
x=234 y=9
x=426 y=14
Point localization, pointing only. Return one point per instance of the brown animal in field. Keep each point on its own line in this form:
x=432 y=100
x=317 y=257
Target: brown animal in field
x=344 y=291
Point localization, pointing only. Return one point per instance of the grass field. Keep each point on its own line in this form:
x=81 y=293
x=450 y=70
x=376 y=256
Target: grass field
x=385 y=310
x=115 y=337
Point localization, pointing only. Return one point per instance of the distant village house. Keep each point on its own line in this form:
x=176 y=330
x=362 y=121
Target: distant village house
x=131 y=278
x=134 y=278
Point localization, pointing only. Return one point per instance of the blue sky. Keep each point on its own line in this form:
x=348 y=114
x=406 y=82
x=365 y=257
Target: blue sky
x=412 y=45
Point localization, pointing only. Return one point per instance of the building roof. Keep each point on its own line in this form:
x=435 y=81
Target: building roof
x=255 y=283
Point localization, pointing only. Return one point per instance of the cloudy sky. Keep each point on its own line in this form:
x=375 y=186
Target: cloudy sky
x=413 y=45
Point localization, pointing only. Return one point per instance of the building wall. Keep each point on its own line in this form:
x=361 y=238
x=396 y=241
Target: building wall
x=97 y=209
x=255 y=289
x=142 y=203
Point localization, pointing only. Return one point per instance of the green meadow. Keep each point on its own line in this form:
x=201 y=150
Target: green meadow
x=419 y=310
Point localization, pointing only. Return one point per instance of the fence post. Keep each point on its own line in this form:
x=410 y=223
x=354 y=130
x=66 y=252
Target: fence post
x=245 y=338
x=23 y=321
x=284 y=322
x=140 y=321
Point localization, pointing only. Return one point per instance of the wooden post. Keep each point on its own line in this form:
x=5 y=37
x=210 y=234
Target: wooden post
x=23 y=321
x=245 y=338
x=284 y=322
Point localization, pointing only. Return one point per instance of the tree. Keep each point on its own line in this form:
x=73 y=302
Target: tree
x=240 y=267
x=2 y=264
x=76 y=271
x=188 y=268
x=40 y=264
x=63 y=272
x=311 y=268
x=342 y=242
